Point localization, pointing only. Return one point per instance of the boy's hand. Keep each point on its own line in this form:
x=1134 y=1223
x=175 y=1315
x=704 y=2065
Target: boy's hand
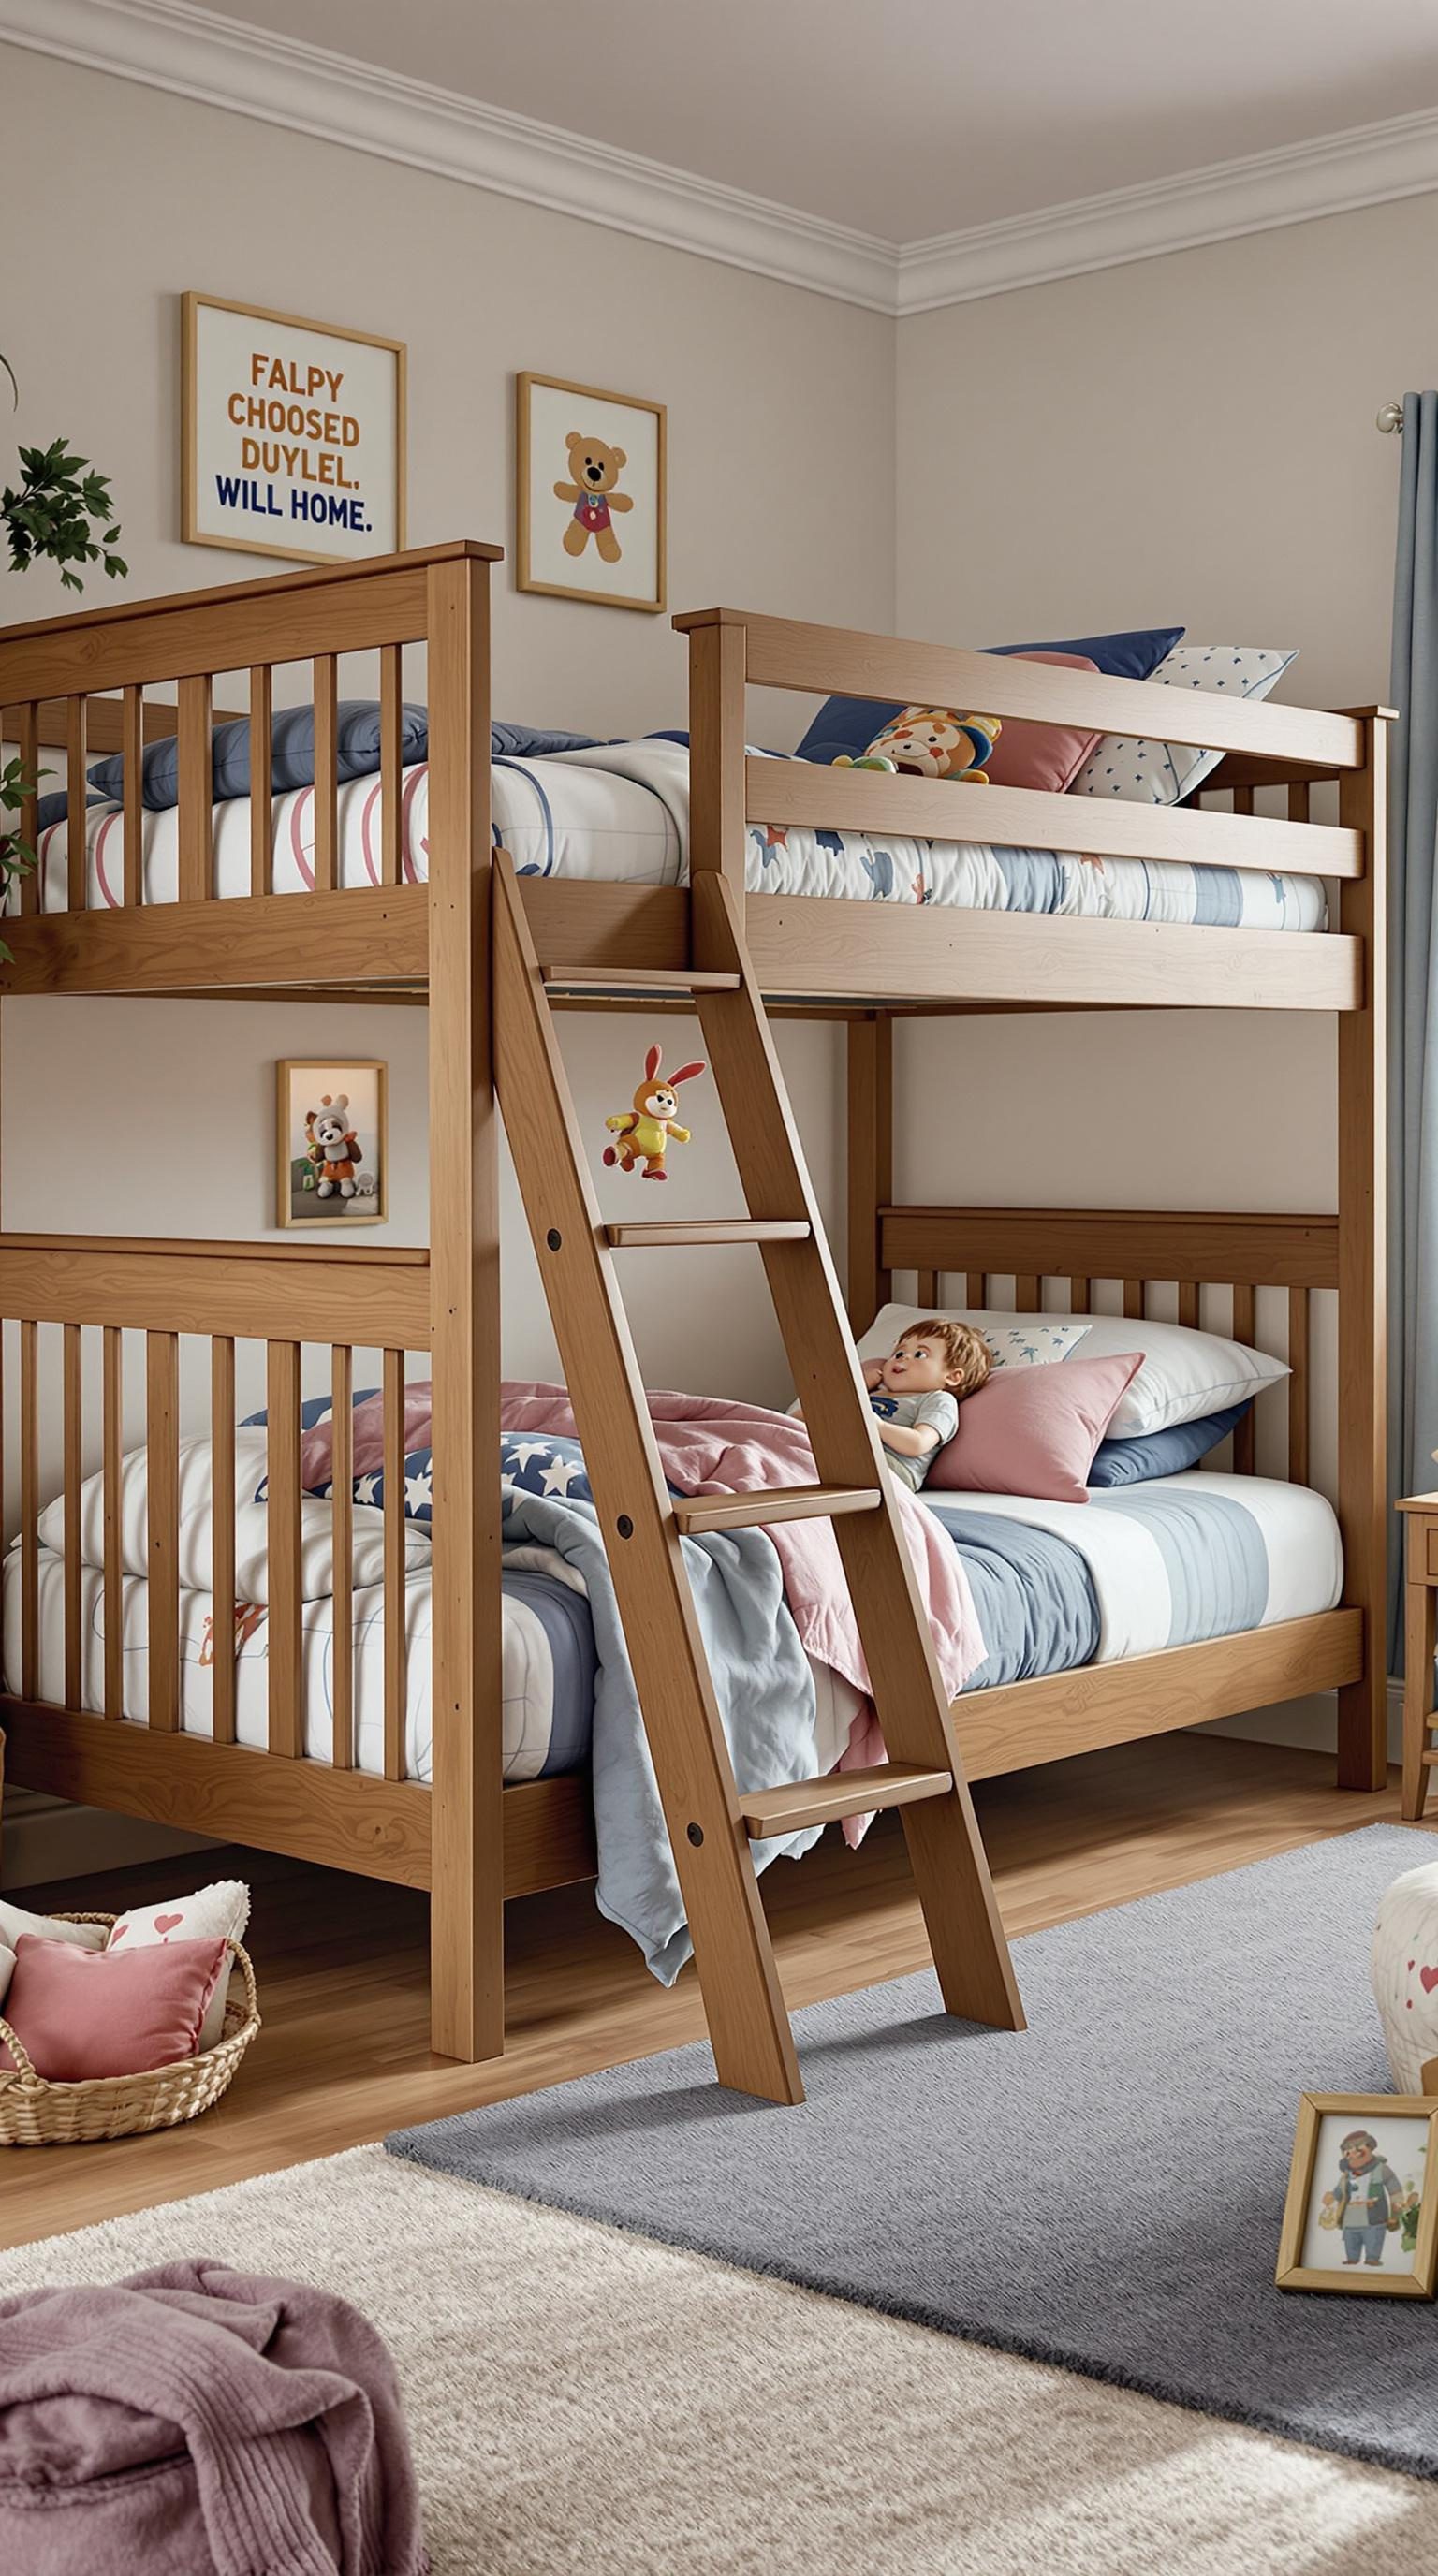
x=873 y=1373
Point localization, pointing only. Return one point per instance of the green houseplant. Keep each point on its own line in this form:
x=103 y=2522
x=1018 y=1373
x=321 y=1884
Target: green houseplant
x=60 y=511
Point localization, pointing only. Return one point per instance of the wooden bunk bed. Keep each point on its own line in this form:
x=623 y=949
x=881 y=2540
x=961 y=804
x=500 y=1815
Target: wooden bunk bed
x=481 y=946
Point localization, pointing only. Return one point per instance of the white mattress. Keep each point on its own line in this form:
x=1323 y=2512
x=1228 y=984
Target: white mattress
x=618 y=813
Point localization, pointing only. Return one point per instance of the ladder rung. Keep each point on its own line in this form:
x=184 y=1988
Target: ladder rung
x=797 y=1803
x=701 y=1230
x=637 y=979
x=772 y=1503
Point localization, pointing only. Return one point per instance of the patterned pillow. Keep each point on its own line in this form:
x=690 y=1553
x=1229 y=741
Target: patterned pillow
x=1159 y=773
x=1030 y=1341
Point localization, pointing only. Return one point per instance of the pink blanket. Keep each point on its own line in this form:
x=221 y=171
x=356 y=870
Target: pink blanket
x=709 y=1444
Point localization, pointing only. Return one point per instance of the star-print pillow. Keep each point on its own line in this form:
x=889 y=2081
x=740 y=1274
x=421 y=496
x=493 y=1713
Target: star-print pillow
x=1159 y=773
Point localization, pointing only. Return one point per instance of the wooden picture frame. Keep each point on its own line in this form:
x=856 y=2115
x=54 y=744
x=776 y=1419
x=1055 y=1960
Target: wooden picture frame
x=369 y=529
x=1321 y=2117
x=362 y=1084
x=548 y=529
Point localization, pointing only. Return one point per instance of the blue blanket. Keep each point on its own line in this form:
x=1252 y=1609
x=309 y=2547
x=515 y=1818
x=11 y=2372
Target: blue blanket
x=761 y=1676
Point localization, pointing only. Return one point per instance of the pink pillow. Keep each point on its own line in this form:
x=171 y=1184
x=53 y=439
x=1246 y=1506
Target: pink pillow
x=1040 y=755
x=109 y=2012
x=1034 y=1431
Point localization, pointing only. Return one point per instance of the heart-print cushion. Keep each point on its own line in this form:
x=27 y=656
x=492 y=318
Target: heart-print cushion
x=217 y=1912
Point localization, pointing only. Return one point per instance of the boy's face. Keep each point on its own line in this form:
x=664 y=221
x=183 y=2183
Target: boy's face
x=1360 y=2156
x=916 y=1366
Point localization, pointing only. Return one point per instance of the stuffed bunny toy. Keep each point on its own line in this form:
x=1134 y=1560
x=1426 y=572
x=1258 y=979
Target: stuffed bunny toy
x=644 y=1131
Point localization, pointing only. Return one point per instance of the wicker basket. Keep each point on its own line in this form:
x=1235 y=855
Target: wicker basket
x=34 y=2113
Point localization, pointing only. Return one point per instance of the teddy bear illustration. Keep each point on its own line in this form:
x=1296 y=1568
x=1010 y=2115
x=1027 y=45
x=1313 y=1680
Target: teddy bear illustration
x=594 y=473
x=644 y=1131
x=332 y=1146
x=932 y=742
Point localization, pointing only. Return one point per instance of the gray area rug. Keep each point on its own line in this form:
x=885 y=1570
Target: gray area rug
x=1103 y=2192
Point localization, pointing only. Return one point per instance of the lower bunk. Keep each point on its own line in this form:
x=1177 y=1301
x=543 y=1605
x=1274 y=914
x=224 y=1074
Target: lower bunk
x=1151 y=1607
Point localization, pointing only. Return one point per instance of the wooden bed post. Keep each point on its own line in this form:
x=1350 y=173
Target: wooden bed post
x=717 y=828
x=870 y=1162
x=1362 y=1273
x=467 y=1872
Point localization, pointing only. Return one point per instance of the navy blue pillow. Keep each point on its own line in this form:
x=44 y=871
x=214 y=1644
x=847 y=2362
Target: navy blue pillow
x=850 y=724
x=292 y=752
x=1163 y=1453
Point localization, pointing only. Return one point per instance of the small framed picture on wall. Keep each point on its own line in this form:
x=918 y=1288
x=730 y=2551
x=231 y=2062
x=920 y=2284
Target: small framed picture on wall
x=332 y=1142
x=590 y=506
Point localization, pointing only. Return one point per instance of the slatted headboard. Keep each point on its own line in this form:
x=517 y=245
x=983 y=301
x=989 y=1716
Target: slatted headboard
x=1056 y=1257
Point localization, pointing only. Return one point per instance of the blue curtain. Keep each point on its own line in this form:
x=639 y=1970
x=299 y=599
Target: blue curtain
x=1413 y=984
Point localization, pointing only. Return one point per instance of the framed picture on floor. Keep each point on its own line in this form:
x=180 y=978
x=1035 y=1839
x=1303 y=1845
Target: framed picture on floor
x=590 y=503
x=292 y=435
x=1362 y=2207
x=332 y=1142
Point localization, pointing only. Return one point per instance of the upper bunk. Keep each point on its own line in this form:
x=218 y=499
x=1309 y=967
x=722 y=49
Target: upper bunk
x=235 y=898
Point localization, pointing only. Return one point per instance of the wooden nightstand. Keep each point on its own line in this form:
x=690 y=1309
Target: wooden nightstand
x=1420 y=1638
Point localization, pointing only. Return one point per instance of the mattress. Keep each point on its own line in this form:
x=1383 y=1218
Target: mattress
x=1055 y=1585
x=618 y=813
x=1139 y=1568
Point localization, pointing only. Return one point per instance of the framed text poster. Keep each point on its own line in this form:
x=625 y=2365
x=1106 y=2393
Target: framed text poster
x=293 y=435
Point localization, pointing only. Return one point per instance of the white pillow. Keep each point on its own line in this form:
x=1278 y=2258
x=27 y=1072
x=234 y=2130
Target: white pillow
x=218 y=1912
x=1184 y=1374
x=7 y=1971
x=1159 y=773
x=14 y=1920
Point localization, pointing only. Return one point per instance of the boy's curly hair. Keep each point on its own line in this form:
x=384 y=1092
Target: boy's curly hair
x=969 y=1356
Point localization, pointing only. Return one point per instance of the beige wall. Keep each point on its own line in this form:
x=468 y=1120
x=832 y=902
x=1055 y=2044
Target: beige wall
x=1185 y=440
x=144 y=195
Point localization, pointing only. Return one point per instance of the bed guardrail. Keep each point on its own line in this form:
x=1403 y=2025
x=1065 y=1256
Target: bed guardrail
x=65 y=1299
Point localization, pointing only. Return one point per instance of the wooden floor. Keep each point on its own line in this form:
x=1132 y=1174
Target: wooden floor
x=343 y=2056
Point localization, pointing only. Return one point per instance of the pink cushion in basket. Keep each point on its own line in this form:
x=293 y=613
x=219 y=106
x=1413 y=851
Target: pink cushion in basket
x=1040 y=755
x=109 y=2012
x=1035 y=1430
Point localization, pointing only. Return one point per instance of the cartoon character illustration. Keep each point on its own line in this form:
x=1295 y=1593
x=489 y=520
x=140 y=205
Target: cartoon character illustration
x=931 y=742
x=332 y=1146
x=644 y=1131
x=1368 y=2202
x=594 y=469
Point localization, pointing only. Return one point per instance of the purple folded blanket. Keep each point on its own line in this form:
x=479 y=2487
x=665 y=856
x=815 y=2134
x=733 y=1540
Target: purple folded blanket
x=194 y=2421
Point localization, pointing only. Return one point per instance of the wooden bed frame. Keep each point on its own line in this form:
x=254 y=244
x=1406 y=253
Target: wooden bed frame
x=79 y=681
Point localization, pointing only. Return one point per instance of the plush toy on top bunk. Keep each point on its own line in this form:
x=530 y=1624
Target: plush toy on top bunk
x=931 y=742
x=643 y=1133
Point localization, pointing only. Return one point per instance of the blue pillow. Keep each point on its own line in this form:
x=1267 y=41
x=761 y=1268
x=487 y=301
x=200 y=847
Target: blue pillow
x=1163 y=1453
x=292 y=752
x=850 y=724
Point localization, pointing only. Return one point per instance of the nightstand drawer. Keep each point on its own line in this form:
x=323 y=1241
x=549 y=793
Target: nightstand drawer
x=1430 y=1566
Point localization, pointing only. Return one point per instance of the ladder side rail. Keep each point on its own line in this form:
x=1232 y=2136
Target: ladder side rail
x=748 y=2023
x=945 y=1847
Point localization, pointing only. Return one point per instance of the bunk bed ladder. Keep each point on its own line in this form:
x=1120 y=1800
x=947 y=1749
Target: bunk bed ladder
x=711 y=1823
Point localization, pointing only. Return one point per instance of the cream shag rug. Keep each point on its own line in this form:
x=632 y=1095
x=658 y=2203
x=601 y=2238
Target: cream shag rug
x=582 y=2400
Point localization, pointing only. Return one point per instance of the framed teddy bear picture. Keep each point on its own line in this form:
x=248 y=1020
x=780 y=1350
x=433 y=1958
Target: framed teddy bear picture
x=332 y=1142
x=590 y=506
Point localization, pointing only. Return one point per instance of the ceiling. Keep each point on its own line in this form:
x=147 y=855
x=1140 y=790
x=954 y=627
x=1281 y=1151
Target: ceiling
x=916 y=117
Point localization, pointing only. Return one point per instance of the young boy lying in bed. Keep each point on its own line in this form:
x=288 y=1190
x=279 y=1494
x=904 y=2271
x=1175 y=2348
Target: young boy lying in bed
x=916 y=1392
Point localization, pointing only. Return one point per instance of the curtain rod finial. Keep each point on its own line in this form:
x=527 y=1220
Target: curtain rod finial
x=1390 y=418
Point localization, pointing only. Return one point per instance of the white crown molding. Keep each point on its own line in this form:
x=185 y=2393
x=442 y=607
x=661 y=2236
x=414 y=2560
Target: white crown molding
x=194 y=53
x=170 y=45
x=1332 y=175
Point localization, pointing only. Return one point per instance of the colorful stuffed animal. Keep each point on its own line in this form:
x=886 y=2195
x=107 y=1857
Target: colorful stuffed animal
x=332 y=1146
x=932 y=742
x=644 y=1131
x=594 y=472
